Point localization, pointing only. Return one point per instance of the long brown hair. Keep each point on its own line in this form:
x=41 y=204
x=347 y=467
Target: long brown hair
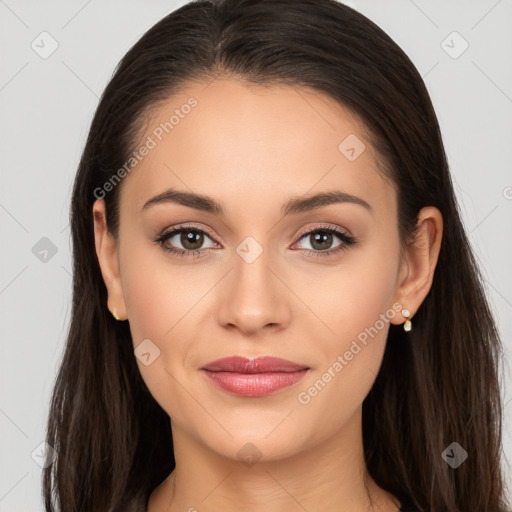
x=438 y=385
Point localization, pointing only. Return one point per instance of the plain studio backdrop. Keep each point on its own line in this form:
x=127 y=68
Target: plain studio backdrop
x=58 y=56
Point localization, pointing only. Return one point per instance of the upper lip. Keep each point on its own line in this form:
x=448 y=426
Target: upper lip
x=238 y=364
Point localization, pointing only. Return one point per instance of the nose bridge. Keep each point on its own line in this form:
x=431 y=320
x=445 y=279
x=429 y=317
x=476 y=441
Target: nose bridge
x=252 y=297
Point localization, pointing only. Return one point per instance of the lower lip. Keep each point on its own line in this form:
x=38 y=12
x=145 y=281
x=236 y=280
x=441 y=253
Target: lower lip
x=254 y=384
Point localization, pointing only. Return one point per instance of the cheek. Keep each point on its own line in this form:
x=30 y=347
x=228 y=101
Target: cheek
x=160 y=299
x=368 y=307
x=351 y=296
x=355 y=301
x=157 y=292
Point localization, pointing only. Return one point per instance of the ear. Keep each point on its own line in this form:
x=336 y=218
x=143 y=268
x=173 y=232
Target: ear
x=419 y=262
x=106 y=250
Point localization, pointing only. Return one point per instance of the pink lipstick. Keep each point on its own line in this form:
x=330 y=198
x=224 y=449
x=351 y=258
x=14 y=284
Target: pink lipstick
x=253 y=377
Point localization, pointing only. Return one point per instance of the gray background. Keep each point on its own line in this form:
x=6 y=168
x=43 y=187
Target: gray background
x=46 y=105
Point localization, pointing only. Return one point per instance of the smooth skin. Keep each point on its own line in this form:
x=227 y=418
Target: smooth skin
x=252 y=149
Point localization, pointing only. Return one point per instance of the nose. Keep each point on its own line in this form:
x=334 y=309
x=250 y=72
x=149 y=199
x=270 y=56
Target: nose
x=254 y=297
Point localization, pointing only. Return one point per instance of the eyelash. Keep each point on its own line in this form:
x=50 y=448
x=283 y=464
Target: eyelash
x=347 y=241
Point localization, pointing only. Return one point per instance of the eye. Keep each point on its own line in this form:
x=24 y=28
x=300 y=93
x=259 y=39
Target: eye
x=190 y=238
x=321 y=239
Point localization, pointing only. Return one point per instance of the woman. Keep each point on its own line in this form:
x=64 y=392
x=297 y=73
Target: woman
x=275 y=304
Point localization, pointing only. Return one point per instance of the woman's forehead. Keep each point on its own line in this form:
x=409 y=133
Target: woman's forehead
x=224 y=135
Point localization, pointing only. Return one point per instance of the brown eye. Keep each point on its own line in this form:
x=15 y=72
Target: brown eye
x=190 y=239
x=321 y=241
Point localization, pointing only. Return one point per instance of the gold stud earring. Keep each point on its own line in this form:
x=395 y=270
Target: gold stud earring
x=407 y=325
x=114 y=314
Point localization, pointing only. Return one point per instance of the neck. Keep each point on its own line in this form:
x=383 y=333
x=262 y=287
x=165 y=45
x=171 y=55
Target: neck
x=331 y=476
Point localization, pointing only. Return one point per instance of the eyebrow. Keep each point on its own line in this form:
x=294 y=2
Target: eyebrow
x=298 y=204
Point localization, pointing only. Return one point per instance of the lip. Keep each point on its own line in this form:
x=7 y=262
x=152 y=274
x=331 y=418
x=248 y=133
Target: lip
x=253 y=377
x=239 y=364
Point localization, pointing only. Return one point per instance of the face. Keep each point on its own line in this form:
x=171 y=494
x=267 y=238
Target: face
x=315 y=286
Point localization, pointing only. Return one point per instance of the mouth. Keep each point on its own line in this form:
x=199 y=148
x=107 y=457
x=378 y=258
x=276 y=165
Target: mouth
x=253 y=377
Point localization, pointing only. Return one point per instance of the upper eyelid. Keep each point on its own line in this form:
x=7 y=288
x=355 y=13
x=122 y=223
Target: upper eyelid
x=323 y=227
x=172 y=231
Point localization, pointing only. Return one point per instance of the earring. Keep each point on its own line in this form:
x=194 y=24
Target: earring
x=114 y=314
x=407 y=325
